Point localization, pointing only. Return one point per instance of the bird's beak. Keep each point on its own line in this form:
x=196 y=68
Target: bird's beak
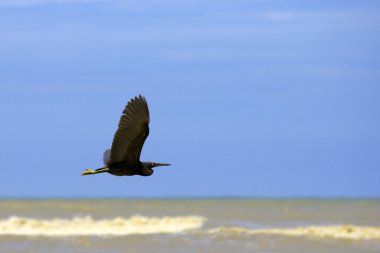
x=161 y=164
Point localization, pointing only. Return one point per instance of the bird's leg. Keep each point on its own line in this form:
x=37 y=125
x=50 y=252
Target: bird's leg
x=90 y=172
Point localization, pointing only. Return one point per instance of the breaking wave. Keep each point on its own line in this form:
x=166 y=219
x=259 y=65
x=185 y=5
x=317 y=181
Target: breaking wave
x=119 y=226
x=333 y=232
x=87 y=226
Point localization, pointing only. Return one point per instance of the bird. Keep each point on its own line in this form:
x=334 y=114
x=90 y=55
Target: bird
x=123 y=159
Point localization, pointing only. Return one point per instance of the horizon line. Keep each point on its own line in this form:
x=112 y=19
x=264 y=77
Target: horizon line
x=231 y=197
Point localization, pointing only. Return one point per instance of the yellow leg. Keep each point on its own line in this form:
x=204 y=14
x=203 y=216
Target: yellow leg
x=88 y=172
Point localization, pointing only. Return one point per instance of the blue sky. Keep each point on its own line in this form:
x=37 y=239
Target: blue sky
x=260 y=98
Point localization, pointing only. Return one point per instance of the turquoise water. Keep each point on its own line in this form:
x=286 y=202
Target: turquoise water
x=189 y=225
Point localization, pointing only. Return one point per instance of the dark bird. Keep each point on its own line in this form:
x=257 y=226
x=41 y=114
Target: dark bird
x=123 y=159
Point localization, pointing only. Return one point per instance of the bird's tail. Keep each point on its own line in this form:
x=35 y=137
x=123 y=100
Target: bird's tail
x=91 y=172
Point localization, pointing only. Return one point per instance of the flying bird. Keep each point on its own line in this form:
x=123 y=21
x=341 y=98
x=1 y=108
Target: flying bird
x=123 y=159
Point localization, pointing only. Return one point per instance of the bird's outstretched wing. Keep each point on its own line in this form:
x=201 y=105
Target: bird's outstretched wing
x=132 y=132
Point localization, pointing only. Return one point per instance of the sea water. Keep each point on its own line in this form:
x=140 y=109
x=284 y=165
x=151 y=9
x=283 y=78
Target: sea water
x=189 y=225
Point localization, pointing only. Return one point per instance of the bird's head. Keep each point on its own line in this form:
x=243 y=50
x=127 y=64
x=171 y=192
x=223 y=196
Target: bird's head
x=153 y=164
x=147 y=170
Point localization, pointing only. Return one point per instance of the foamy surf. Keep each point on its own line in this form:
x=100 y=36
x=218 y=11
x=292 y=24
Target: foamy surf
x=119 y=226
x=87 y=226
x=350 y=232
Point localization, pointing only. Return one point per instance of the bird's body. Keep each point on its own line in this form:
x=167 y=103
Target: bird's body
x=125 y=169
x=123 y=159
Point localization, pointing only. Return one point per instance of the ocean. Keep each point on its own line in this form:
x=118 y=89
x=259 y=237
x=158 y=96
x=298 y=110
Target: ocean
x=189 y=225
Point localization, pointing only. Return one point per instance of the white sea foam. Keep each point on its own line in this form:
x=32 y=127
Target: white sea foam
x=350 y=232
x=87 y=226
x=119 y=226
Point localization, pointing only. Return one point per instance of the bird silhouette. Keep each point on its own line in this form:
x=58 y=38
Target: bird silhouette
x=123 y=159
